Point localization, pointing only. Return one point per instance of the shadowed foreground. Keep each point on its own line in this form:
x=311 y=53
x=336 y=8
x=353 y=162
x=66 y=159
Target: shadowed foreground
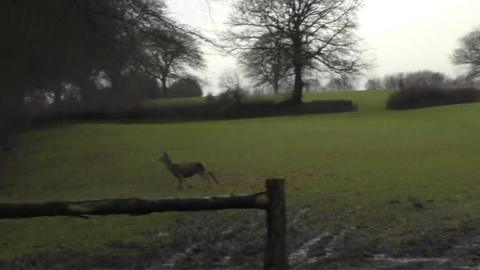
x=209 y=241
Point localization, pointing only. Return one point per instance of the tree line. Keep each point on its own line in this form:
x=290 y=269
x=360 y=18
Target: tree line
x=467 y=55
x=100 y=52
x=424 y=79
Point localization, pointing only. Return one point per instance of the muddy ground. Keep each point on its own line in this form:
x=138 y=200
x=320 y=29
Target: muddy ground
x=208 y=240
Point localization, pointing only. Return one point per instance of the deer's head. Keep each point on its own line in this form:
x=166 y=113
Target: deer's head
x=164 y=158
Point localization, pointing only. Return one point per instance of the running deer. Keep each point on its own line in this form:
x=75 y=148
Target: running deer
x=187 y=169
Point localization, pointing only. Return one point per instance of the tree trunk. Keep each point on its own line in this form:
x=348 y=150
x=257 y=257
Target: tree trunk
x=13 y=116
x=90 y=98
x=164 y=86
x=297 y=94
x=116 y=96
x=296 y=98
x=57 y=93
x=275 y=86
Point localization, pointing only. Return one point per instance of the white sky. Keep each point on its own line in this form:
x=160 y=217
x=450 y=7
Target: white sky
x=401 y=35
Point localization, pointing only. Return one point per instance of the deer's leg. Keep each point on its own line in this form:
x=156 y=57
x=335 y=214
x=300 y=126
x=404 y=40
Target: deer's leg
x=180 y=182
x=213 y=177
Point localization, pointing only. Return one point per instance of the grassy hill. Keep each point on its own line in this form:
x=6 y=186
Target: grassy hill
x=398 y=175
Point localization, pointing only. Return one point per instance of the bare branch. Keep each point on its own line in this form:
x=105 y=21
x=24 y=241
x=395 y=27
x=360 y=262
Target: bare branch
x=469 y=53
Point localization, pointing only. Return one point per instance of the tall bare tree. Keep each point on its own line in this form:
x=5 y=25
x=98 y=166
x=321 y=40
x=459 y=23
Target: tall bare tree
x=318 y=34
x=469 y=53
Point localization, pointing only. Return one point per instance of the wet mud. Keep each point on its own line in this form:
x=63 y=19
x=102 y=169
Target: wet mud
x=209 y=240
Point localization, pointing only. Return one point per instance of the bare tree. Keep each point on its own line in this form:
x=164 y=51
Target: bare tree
x=374 y=84
x=469 y=53
x=167 y=54
x=394 y=81
x=341 y=83
x=266 y=63
x=318 y=34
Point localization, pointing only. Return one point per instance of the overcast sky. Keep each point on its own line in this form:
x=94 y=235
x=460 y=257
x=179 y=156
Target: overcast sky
x=401 y=35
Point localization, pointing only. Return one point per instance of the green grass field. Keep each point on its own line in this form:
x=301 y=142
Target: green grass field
x=369 y=165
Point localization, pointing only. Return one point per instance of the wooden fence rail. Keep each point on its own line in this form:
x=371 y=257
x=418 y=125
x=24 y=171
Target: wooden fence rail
x=272 y=201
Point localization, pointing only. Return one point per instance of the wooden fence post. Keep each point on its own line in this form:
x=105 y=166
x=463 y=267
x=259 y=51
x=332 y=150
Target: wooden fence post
x=276 y=248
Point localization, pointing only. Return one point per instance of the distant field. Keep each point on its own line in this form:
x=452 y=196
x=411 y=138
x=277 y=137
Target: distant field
x=371 y=164
x=373 y=100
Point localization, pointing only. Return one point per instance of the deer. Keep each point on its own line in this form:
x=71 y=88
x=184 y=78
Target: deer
x=187 y=169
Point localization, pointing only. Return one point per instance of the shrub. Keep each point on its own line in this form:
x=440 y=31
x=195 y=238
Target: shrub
x=419 y=79
x=186 y=87
x=413 y=98
x=210 y=99
x=461 y=95
x=232 y=97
